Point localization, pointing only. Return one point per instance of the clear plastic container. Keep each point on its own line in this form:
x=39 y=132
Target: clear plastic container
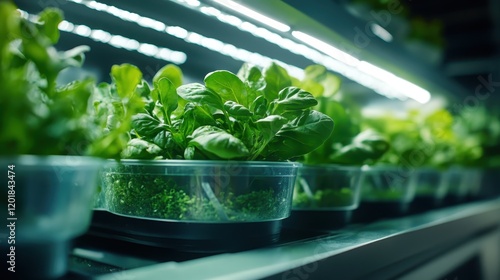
x=324 y=196
x=199 y=191
x=386 y=191
x=195 y=205
x=51 y=202
x=458 y=188
x=473 y=182
x=327 y=187
x=432 y=188
x=388 y=184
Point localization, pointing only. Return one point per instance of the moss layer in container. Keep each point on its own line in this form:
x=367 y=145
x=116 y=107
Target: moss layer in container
x=200 y=190
x=327 y=187
x=390 y=184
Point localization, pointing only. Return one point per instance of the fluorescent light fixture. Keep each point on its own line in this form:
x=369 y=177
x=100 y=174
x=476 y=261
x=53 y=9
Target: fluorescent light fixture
x=380 y=32
x=188 y=36
x=364 y=73
x=255 y=15
x=326 y=48
x=119 y=41
x=396 y=83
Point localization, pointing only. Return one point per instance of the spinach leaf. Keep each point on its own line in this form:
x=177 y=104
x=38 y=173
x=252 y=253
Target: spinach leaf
x=200 y=94
x=146 y=125
x=366 y=148
x=293 y=99
x=171 y=72
x=300 y=136
x=213 y=140
x=227 y=85
x=276 y=78
x=236 y=110
x=166 y=93
x=140 y=149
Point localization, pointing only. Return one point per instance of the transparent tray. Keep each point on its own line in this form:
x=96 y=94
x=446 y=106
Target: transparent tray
x=386 y=191
x=195 y=205
x=324 y=196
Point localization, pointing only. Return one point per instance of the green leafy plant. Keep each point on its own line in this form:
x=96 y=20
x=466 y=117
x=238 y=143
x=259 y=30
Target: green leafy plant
x=348 y=144
x=323 y=198
x=255 y=115
x=38 y=115
x=419 y=139
x=43 y=117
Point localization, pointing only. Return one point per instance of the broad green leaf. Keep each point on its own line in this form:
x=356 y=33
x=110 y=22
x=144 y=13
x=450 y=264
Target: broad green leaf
x=366 y=148
x=140 y=149
x=301 y=136
x=254 y=81
x=293 y=99
x=9 y=25
x=200 y=94
x=171 y=72
x=126 y=77
x=315 y=88
x=163 y=140
x=276 y=78
x=218 y=142
x=227 y=85
x=249 y=73
x=195 y=116
x=145 y=125
x=51 y=17
x=199 y=114
x=236 y=110
x=270 y=125
x=167 y=94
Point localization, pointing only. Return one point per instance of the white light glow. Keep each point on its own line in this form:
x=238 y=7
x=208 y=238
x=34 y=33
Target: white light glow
x=326 y=48
x=332 y=58
x=66 y=26
x=82 y=30
x=210 y=11
x=193 y=3
x=254 y=15
x=98 y=35
x=191 y=37
x=381 y=32
x=119 y=41
x=379 y=80
x=177 y=31
x=396 y=83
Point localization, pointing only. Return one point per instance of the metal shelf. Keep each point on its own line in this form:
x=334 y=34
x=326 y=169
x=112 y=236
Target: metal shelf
x=381 y=250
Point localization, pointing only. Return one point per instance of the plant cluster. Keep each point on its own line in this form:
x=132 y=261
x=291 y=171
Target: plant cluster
x=349 y=144
x=38 y=116
x=254 y=115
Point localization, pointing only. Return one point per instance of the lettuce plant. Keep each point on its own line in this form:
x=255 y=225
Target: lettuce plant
x=348 y=144
x=38 y=115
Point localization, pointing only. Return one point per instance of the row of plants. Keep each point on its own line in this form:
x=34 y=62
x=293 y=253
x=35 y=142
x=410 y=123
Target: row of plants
x=238 y=148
